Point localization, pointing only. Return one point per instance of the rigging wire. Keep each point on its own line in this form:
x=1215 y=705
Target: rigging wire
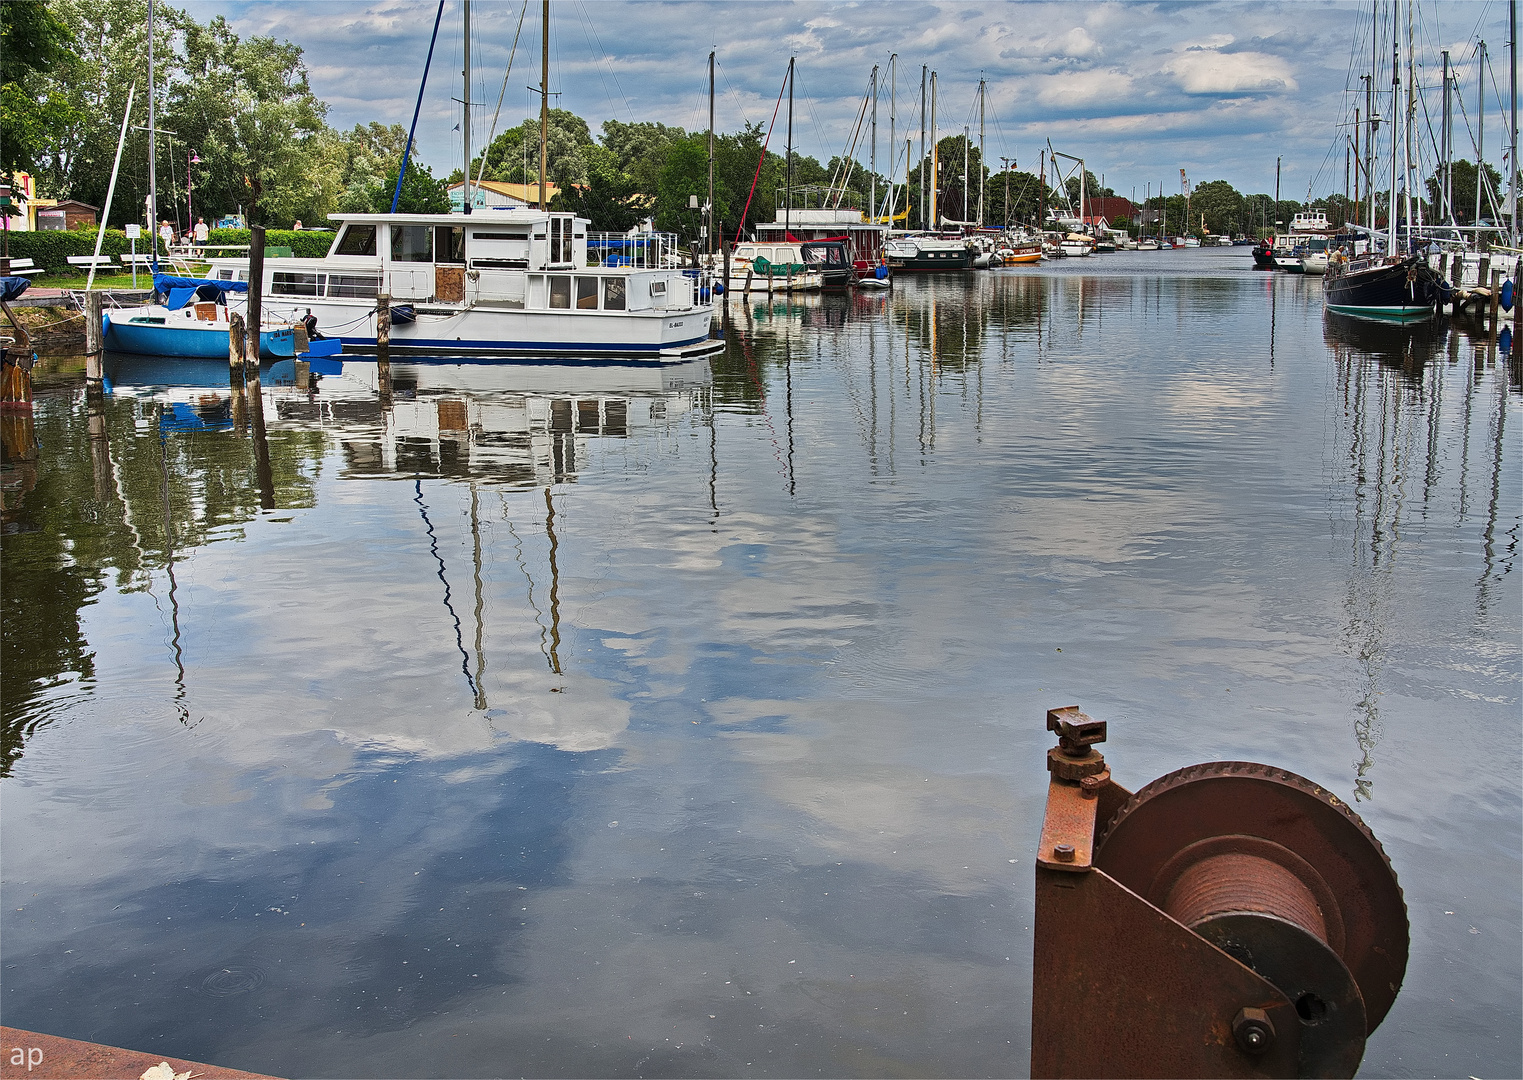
x=501 y=93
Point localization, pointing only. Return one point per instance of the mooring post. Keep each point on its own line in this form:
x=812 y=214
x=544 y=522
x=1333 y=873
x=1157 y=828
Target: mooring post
x=1496 y=298
x=251 y=368
x=383 y=346
x=726 y=273
x=769 y=281
x=236 y=344
x=95 y=334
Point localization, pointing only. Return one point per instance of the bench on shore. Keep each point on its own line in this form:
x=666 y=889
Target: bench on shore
x=86 y=262
x=26 y=268
x=140 y=260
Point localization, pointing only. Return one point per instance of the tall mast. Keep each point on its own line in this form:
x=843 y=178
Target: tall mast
x=872 y=153
x=1480 y=135
x=981 y=169
x=1445 y=134
x=935 y=163
x=788 y=194
x=967 y=177
x=711 y=155
x=153 y=184
x=1369 y=111
x=1395 y=124
x=544 y=105
x=1041 y=195
x=465 y=101
x=893 y=134
x=1409 y=124
x=1512 y=157
x=924 y=164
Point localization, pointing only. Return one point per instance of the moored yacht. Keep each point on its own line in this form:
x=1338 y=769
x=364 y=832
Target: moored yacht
x=498 y=282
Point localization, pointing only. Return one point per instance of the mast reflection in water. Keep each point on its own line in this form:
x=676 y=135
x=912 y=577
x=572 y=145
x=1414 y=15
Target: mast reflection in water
x=689 y=720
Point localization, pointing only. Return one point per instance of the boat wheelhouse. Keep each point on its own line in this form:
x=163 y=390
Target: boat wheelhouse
x=501 y=282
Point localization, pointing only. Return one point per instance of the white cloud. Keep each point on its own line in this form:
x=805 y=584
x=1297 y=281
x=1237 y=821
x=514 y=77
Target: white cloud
x=1206 y=71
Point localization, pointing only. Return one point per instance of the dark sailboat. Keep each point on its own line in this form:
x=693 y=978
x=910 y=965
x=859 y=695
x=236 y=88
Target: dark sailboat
x=1384 y=288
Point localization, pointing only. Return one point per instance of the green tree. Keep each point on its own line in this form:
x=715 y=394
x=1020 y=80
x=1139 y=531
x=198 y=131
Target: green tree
x=1463 y=187
x=33 y=40
x=422 y=193
x=371 y=154
x=1221 y=205
x=513 y=157
x=607 y=199
x=639 y=150
x=684 y=176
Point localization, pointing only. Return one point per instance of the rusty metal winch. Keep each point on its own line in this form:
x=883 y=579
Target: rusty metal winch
x=1227 y=920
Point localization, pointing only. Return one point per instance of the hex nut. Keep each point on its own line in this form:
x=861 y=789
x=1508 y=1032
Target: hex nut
x=1254 y=1031
x=1063 y=852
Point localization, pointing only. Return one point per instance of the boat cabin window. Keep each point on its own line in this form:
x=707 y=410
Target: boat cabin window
x=285 y=283
x=613 y=294
x=449 y=242
x=356 y=240
x=560 y=240
x=587 y=293
x=354 y=285
x=560 y=291
x=412 y=243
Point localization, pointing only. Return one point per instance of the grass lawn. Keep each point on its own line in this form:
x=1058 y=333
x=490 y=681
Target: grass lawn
x=102 y=281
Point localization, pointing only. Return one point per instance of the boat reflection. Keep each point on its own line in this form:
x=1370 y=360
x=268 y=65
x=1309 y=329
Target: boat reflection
x=1413 y=400
x=513 y=424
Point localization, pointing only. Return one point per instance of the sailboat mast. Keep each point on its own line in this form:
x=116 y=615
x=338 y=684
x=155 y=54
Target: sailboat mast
x=1512 y=157
x=981 y=170
x=923 y=162
x=711 y=154
x=1369 y=112
x=544 y=104
x=1409 y=124
x=153 y=184
x=966 y=176
x=1480 y=134
x=935 y=163
x=1445 y=134
x=1395 y=124
x=893 y=133
x=465 y=101
x=788 y=194
x=872 y=153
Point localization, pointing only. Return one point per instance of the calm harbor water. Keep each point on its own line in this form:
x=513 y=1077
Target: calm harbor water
x=636 y=722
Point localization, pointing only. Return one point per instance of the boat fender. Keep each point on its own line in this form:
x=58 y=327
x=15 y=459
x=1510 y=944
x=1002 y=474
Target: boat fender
x=718 y=288
x=881 y=273
x=1507 y=294
x=402 y=314
x=1504 y=340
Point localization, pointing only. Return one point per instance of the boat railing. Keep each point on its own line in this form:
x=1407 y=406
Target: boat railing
x=640 y=251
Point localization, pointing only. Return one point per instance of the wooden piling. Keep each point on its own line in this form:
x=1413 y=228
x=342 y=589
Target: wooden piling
x=726 y=248
x=236 y=343
x=1496 y=298
x=769 y=281
x=251 y=369
x=1457 y=279
x=95 y=333
x=383 y=346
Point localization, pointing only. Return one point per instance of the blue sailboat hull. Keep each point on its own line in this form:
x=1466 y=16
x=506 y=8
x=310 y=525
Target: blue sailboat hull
x=204 y=342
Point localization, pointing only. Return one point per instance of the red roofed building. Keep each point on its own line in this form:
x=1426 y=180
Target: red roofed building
x=1109 y=208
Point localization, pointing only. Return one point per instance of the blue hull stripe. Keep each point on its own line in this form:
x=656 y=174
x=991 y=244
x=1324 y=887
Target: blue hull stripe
x=448 y=346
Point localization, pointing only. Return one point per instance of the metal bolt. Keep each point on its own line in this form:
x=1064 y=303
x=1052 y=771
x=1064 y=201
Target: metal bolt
x=1064 y=852
x=1254 y=1031
x=1090 y=786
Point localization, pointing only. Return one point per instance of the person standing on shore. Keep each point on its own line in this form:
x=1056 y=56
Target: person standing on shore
x=201 y=232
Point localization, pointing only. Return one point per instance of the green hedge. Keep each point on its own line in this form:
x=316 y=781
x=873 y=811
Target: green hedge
x=51 y=249
x=303 y=243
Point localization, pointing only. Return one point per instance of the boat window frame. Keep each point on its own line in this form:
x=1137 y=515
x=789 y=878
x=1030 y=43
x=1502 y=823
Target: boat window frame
x=401 y=233
x=586 y=289
x=356 y=229
x=615 y=294
x=564 y=283
x=449 y=245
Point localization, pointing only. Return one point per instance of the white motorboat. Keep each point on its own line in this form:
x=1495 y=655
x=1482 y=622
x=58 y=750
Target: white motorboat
x=497 y=282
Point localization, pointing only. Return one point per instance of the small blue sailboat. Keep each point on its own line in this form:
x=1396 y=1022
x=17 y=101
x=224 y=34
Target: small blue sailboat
x=192 y=323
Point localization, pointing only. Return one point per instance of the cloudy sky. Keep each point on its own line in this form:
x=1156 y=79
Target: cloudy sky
x=1138 y=90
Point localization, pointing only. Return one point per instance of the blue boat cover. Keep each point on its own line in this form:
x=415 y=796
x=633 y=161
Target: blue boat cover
x=12 y=287
x=181 y=290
